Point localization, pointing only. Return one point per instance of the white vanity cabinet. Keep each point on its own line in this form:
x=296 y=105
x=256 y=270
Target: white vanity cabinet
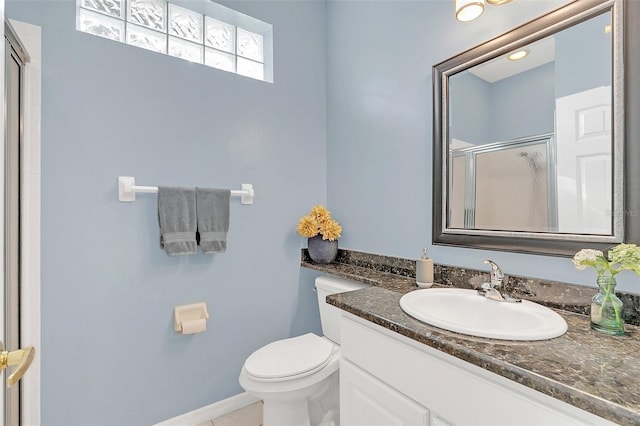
x=388 y=379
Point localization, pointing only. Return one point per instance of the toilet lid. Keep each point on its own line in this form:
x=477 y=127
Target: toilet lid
x=289 y=357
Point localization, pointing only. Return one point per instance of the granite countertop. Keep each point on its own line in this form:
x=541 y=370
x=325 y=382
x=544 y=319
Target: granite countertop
x=590 y=370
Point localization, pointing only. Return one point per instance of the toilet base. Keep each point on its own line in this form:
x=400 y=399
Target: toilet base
x=290 y=413
x=320 y=409
x=324 y=410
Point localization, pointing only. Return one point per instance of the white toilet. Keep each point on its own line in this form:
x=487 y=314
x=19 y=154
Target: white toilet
x=297 y=378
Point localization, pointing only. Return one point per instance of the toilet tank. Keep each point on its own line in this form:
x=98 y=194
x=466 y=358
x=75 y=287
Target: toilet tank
x=330 y=315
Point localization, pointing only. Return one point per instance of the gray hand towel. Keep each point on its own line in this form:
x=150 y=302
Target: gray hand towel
x=212 y=206
x=177 y=217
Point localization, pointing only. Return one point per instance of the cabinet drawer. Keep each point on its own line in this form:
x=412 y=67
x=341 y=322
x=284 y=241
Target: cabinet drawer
x=463 y=393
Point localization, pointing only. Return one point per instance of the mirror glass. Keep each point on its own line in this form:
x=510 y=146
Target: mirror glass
x=528 y=136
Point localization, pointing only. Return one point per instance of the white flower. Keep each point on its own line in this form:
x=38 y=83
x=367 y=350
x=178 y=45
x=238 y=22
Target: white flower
x=621 y=257
x=586 y=257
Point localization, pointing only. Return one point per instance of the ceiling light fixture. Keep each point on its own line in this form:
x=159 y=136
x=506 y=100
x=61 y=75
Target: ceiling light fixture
x=520 y=54
x=468 y=10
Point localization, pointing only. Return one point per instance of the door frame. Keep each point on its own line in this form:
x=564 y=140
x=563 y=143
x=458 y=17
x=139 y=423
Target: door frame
x=2 y=194
x=30 y=37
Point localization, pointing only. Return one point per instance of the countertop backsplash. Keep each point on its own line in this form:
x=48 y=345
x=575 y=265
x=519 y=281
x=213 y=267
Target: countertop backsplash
x=367 y=267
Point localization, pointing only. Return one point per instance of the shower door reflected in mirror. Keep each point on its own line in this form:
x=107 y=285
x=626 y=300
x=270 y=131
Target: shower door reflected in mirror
x=506 y=186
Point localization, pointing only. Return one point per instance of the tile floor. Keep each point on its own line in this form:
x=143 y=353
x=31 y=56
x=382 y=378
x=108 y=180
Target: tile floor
x=251 y=415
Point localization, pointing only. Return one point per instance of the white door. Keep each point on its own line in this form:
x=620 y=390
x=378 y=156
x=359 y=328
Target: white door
x=584 y=142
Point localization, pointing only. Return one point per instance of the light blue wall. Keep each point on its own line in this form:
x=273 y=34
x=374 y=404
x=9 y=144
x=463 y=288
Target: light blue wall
x=470 y=111
x=379 y=132
x=109 y=353
x=510 y=108
x=579 y=51
x=524 y=104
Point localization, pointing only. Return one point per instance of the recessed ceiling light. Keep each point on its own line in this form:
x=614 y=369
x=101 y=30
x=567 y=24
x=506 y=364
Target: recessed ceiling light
x=497 y=2
x=516 y=56
x=468 y=10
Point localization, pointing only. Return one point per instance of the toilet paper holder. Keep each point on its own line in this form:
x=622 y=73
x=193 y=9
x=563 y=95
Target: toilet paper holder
x=189 y=319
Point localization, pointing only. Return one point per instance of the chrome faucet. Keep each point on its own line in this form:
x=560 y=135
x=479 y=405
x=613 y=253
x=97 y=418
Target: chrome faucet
x=494 y=290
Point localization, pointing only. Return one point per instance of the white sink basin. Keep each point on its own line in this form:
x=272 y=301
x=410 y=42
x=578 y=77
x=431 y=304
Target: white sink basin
x=464 y=311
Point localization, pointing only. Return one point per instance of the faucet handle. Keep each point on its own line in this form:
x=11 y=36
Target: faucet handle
x=489 y=290
x=485 y=286
x=496 y=273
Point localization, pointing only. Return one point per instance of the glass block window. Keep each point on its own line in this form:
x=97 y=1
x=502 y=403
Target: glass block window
x=220 y=37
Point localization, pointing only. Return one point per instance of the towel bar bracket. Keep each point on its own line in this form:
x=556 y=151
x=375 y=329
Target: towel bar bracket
x=127 y=189
x=247 y=196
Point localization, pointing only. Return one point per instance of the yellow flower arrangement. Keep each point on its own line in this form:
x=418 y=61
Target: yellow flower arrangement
x=319 y=221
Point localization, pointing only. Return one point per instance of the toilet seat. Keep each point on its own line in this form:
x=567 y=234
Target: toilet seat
x=289 y=359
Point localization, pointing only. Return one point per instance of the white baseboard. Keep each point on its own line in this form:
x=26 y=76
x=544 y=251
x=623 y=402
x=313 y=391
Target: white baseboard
x=209 y=412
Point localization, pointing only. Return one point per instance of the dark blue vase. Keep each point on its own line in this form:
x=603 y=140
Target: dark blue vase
x=322 y=251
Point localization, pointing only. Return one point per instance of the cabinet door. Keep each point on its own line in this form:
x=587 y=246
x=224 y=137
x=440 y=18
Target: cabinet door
x=366 y=401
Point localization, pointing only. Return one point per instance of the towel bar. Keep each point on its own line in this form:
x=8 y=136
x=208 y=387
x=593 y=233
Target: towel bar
x=127 y=189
